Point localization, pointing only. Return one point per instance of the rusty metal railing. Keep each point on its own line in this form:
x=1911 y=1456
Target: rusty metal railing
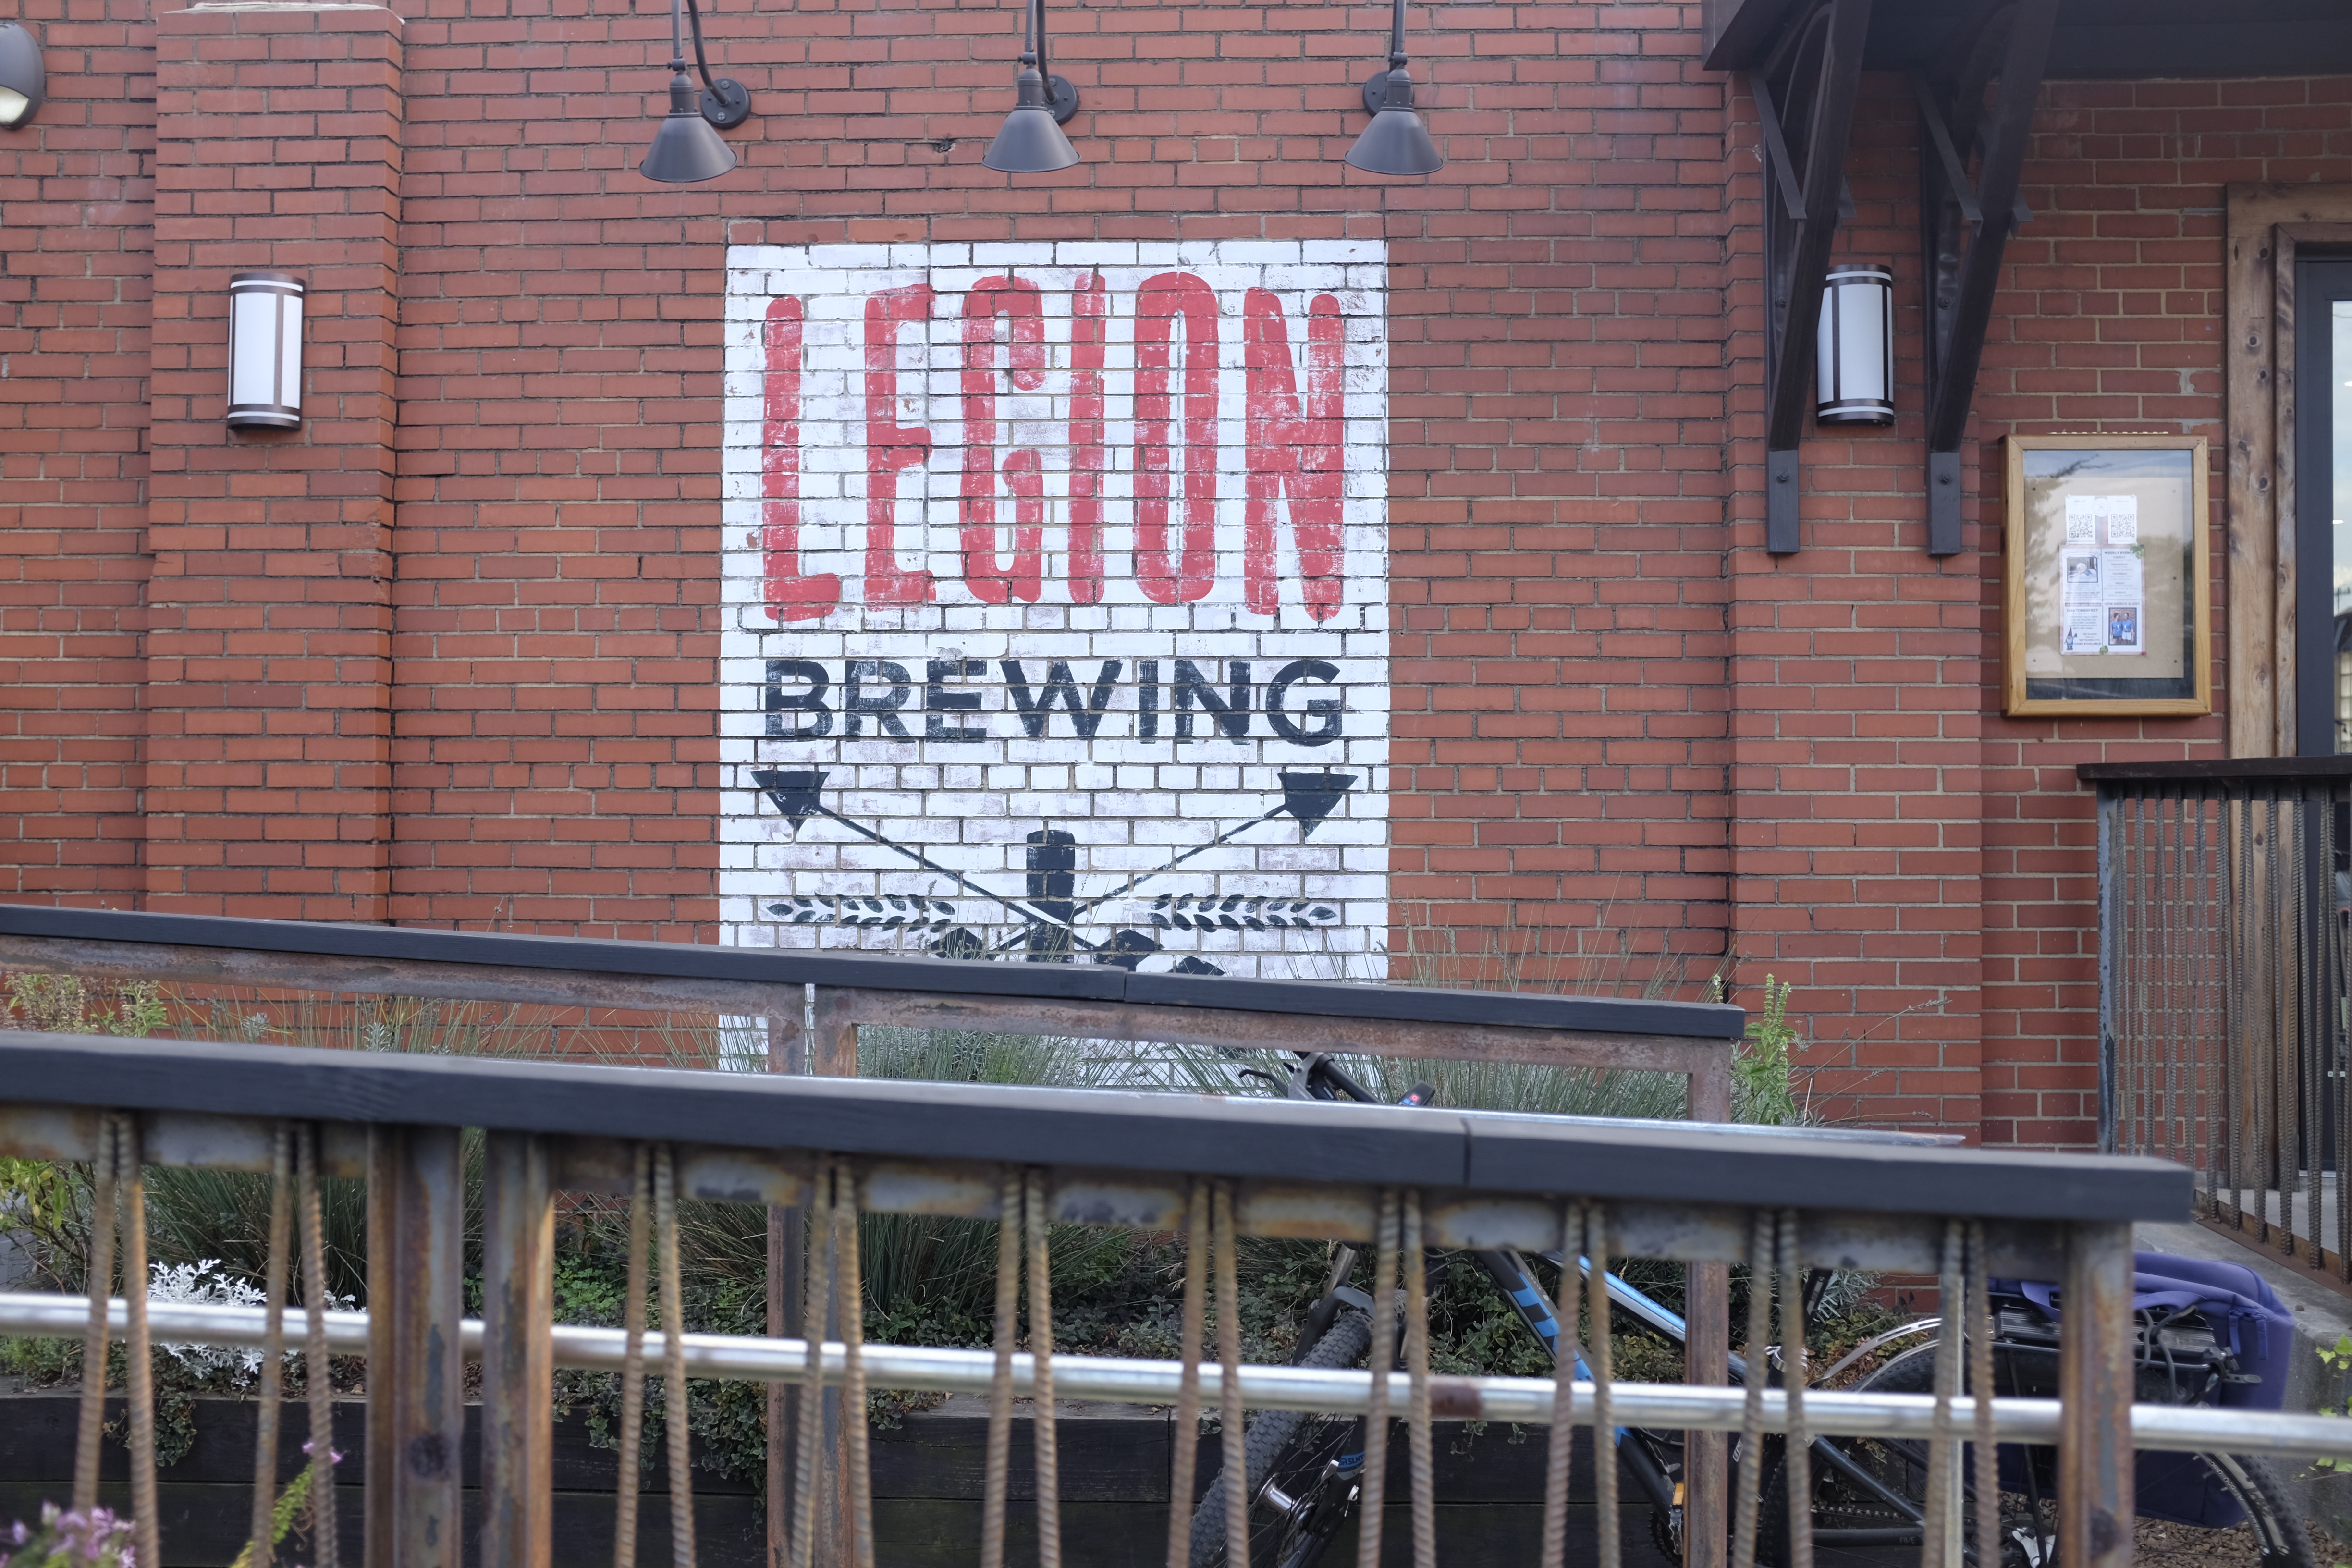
x=810 y=1005
x=2223 y=994
x=828 y=1148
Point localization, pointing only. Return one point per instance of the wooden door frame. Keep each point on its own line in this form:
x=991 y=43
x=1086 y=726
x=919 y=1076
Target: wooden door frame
x=2267 y=223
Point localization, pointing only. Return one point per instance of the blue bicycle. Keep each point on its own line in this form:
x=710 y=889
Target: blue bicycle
x=2208 y=1333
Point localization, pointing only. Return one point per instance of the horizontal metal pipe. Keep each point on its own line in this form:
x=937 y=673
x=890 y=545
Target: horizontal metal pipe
x=1526 y=1400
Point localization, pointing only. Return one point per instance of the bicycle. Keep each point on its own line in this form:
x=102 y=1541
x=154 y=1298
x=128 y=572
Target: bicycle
x=1304 y=1471
x=2181 y=1360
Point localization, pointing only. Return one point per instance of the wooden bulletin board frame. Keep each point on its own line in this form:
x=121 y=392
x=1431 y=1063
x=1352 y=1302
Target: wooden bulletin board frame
x=2163 y=602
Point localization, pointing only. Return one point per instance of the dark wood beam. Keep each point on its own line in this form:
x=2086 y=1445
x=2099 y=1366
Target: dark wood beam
x=1795 y=270
x=1960 y=308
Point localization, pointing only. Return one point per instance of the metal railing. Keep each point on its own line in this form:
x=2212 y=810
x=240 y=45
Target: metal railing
x=2223 y=987
x=819 y=1150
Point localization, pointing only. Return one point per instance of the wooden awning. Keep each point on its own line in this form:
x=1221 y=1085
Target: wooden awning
x=2092 y=37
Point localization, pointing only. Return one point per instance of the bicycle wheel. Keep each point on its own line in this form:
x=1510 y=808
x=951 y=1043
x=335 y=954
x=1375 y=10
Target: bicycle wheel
x=1295 y=1458
x=1855 y=1524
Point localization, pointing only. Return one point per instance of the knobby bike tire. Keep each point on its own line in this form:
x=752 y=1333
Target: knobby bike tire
x=1267 y=1437
x=2271 y=1510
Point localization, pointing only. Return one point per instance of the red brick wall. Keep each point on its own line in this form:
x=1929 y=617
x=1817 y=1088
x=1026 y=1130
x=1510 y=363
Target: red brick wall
x=2110 y=319
x=463 y=656
x=1855 y=696
x=1556 y=392
x=1920 y=866
x=267 y=614
x=76 y=235
x=1558 y=409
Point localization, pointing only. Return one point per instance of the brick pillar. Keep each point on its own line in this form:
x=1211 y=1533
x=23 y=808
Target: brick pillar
x=268 y=647
x=1856 y=688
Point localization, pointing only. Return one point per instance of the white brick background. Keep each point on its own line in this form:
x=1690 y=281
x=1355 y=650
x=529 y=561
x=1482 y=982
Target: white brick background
x=1272 y=899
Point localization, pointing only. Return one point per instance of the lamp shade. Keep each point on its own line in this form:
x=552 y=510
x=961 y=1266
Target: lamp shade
x=265 y=352
x=23 y=83
x=1032 y=142
x=1396 y=142
x=685 y=148
x=1854 y=365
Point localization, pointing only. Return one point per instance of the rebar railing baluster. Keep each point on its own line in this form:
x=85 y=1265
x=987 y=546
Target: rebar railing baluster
x=104 y=1209
x=1185 y=1442
x=633 y=1362
x=1382 y=1358
x=1603 y=1355
x=2293 y=871
x=1229 y=1378
x=1558 y=1457
x=2159 y=1057
x=270 y=1396
x=2115 y=991
x=817 y=1277
x=138 y=1373
x=2201 y=1102
x=2319 y=806
x=1041 y=1357
x=2236 y=1017
x=2339 y=1021
x=849 y=1268
x=1797 y=1466
x=2131 y=1054
x=674 y=1407
x=1937 y=1520
x=1419 y=1438
x=2173 y=940
x=1762 y=1243
x=995 y=1479
x=1977 y=1320
x=317 y=1374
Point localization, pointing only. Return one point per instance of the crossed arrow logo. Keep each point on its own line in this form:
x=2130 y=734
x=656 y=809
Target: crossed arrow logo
x=1048 y=910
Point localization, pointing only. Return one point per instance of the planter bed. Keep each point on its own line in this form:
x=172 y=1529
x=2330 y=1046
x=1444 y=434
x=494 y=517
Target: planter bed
x=927 y=1486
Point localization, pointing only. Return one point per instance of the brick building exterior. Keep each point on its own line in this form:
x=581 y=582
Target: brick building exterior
x=455 y=653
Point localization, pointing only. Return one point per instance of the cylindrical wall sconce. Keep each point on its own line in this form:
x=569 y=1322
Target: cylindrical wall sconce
x=1853 y=376
x=22 y=84
x=265 y=352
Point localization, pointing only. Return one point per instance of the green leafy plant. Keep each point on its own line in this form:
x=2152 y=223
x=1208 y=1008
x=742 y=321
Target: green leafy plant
x=291 y=1512
x=1763 y=1088
x=63 y=1005
x=2337 y=1358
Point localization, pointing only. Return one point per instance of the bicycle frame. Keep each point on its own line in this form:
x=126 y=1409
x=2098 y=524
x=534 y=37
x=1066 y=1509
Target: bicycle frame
x=1651 y=1458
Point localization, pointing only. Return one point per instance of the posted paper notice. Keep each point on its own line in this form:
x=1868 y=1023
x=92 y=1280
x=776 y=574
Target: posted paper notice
x=2102 y=598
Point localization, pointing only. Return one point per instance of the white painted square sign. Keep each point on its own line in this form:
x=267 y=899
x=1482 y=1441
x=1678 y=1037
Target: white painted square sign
x=1057 y=595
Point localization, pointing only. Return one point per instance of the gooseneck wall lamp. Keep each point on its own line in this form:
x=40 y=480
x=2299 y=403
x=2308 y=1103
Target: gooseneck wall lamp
x=21 y=78
x=686 y=148
x=1032 y=142
x=1396 y=142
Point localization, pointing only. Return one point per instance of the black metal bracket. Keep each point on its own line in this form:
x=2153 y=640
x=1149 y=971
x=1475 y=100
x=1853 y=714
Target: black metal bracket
x=1818 y=71
x=1965 y=224
x=725 y=102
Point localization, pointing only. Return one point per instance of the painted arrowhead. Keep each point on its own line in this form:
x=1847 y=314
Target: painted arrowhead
x=1311 y=797
x=794 y=793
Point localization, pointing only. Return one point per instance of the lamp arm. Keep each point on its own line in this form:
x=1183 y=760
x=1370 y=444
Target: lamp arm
x=1037 y=34
x=1396 y=36
x=694 y=15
